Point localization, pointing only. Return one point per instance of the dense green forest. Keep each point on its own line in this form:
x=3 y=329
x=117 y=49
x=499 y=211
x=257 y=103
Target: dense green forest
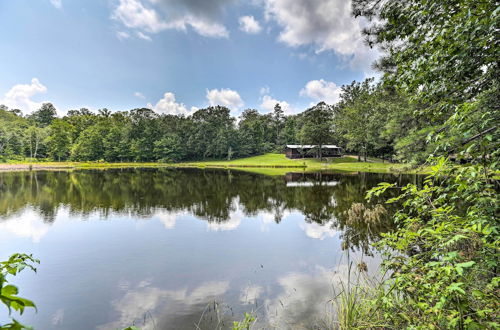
x=370 y=120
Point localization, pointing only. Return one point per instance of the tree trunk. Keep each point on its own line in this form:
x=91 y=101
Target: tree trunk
x=36 y=148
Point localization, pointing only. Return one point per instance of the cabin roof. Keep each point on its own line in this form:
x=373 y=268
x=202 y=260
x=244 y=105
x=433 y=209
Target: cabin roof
x=310 y=146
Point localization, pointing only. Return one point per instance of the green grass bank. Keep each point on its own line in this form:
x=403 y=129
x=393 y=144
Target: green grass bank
x=269 y=164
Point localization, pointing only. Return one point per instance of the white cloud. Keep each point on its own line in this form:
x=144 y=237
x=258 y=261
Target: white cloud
x=149 y=299
x=305 y=298
x=135 y=15
x=27 y=225
x=143 y=36
x=325 y=24
x=321 y=90
x=20 y=96
x=264 y=90
x=268 y=103
x=232 y=223
x=250 y=294
x=206 y=28
x=58 y=317
x=169 y=218
x=225 y=97
x=317 y=231
x=249 y=24
x=168 y=105
x=139 y=95
x=56 y=3
x=122 y=35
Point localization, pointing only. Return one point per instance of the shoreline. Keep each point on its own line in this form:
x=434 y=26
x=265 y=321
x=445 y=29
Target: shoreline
x=274 y=169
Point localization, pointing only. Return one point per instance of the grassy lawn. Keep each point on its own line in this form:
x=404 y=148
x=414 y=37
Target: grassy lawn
x=269 y=164
x=266 y=160
x=279 y=164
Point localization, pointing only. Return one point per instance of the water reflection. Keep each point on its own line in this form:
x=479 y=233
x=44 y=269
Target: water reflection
x=171 y=305
x=30 y=226
x=172 y=248
x=222 y=198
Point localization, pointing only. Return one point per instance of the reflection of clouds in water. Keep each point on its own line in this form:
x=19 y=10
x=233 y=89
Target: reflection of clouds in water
x=167 y=304
x=231 y=224
x=58 y=317
x=250 y=293
x=315 y=230
x=235 y=216
x=123 y=285
x=28 y=224
x=268 y=218
x=169 y=218
x=305 y=299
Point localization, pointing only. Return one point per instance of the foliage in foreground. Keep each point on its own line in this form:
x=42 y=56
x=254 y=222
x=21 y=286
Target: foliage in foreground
x=244 y=324
x=444 y=255
x=9 y=293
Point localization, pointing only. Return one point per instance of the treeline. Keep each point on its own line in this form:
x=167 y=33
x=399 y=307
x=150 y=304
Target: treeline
x=369 y=120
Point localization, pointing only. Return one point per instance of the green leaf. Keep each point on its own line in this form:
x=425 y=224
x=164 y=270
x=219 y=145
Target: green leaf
x=9 y=290
x=465 y=264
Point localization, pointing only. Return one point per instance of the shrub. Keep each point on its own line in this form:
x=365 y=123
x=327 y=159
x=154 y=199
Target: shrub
x=444 y=253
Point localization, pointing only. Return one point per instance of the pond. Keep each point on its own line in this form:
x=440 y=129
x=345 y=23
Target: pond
x=184 y=248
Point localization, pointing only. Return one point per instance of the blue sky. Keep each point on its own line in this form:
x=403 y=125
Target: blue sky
x=178 y=55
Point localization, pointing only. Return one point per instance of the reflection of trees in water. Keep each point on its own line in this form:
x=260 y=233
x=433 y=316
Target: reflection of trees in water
x=209 y=194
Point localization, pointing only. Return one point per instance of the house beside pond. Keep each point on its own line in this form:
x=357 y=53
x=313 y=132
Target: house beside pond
x=312 y=150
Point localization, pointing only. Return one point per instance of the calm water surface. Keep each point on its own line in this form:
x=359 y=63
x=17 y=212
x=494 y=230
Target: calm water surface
x=177 y=249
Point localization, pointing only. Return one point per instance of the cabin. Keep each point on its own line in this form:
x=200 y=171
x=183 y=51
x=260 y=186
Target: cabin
x=311 y=151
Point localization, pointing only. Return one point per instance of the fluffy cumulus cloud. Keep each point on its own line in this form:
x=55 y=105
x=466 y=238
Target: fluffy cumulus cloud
x=249 y=25
x=56 y=3
x=225 y=97
x=21 y=96
x=325 y=24
x=133 y=14
x=168 y=105
x=268 y=103
x=321 y=90
x=148 y=18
